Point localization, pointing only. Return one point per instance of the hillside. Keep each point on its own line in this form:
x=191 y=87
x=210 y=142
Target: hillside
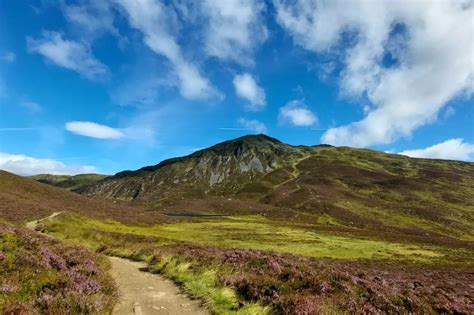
x=70 y=182
x=333 y=186
x=23 y=199
x=224 y=168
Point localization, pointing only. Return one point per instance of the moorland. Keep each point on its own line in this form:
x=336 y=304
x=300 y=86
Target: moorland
x=250 y=226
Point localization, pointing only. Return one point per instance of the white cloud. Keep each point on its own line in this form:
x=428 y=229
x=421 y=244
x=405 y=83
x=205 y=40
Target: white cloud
x=69 y=54
x=297 y=113
x=252 y=125
x=453 y=149
x=92 y=17
x=234 y=28
x=449 y=111
x=431 y=42
x=246 y=88
x=8 y=57
x=157 y=23
x=93 y=130
x=26 y=165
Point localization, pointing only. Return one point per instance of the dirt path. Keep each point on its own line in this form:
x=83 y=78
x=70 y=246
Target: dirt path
x=33 y=224
x=143 y=293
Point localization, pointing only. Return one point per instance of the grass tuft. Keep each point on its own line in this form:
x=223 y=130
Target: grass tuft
x=203 y=285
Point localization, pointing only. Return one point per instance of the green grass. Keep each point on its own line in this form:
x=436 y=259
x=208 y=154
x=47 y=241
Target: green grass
x=201 y=284
x=252 y=232
x=199 y=272
x=220 y=300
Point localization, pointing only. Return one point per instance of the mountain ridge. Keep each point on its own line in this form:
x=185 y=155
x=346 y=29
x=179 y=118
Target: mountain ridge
x=334 y=186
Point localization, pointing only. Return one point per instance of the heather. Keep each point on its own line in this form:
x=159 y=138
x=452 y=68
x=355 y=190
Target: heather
x=231 y=279
x=23 y=199
x=41 y=275
x=293 y=284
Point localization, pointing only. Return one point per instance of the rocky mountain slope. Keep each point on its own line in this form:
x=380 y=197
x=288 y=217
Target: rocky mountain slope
x=334 y=186
x=224 y=168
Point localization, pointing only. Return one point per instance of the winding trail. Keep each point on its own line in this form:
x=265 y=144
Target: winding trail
x=33 y=224
x=141 y=292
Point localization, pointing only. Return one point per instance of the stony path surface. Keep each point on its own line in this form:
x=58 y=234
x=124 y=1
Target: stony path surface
x=144 y=293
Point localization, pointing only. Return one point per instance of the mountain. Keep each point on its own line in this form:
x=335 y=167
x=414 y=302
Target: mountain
x=334 y=186
x=73 y=182
x=23 y=199
x=224 y=168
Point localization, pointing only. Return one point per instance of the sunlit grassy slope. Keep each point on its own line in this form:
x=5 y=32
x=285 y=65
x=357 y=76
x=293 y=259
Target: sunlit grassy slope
x=254 y=265
x=336 y=186
x=253 y=232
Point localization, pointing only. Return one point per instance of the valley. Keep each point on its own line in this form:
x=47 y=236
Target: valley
x=256 y=226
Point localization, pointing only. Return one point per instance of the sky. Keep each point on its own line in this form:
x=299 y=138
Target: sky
x=104 y=86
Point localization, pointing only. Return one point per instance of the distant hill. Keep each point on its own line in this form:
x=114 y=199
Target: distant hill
x=72 y=182
x=23 y=199
x=334 y=186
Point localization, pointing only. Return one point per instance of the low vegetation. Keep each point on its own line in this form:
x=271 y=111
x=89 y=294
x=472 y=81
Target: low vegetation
x=70 y=182
x=253 y=232
x=252 y=226
x=244 y=264
x=42 y=275
x=23 y=199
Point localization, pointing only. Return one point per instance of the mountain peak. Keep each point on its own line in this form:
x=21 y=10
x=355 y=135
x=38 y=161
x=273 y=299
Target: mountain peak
x=249 y=144
x=232 y=163
x=257 y=138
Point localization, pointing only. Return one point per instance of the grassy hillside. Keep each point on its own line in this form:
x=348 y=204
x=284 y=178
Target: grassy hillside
x=23 y=199
x=72 y=182
x=298 y=229
x=336 y=187
x=292 y=269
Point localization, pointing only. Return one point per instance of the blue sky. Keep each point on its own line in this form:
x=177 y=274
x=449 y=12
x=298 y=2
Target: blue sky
x=110 y=85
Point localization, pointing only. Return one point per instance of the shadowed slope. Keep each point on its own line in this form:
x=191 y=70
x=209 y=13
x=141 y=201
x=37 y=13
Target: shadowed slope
x=23 y=199
x=73 y=182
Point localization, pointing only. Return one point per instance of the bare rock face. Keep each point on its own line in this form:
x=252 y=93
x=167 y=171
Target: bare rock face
x=224 y=168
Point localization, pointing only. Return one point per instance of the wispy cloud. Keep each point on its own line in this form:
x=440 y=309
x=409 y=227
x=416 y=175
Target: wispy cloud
x=27 y=165
x=252 y=125
x=8 y=57
x=93 y=130
x=18 y=129
x=155 y=21
x=92 y=18
x=233 y=129
x=32 y=107
x=69 y=54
